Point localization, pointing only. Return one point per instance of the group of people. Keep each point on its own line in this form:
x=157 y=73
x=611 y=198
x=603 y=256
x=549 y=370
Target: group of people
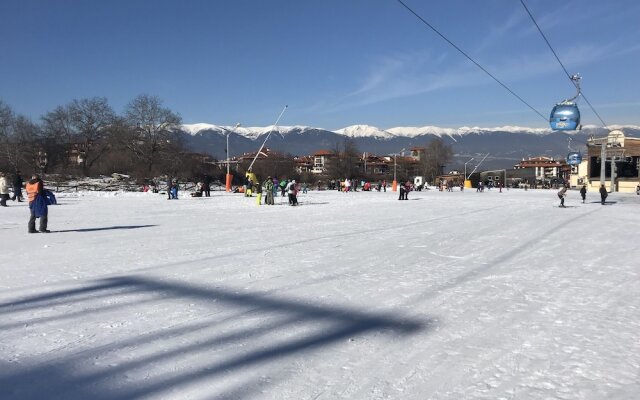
x=203 y=187
x=404 y=189
x=562 y=193
x=489 y=185
x=447 y=186
x=38 y=198
x=5 y=188
x=172 y=189
x=351 y=185
x=288 y=188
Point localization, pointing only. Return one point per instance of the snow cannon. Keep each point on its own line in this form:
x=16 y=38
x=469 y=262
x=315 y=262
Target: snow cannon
x=252 y=178
x=229 y=179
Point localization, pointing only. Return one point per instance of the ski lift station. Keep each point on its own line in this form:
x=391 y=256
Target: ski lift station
x=620 y=170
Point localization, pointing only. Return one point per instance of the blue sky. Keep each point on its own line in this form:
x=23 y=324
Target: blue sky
x=334 y=62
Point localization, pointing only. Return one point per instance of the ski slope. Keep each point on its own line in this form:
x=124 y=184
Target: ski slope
x=459 y=295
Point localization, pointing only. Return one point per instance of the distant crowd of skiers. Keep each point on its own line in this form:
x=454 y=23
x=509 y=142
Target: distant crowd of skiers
x=39 y=198
x=271 y=187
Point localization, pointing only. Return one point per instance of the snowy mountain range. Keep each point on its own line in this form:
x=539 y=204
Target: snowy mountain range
x=368 y=131
x=506 y=144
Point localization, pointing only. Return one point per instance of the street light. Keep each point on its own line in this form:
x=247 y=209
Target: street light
x=394 y=186
x=229 y=177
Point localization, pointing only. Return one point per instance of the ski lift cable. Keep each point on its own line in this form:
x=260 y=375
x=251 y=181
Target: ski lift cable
x=471 y=59
x=571 y=77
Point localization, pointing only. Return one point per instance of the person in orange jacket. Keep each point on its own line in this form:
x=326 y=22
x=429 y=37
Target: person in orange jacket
x=37 y=204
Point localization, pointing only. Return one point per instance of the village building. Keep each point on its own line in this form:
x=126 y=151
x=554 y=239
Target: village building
x=418 y=152
x=374 y=165
x=321 y=160
x=546 y=170
x=303 y=164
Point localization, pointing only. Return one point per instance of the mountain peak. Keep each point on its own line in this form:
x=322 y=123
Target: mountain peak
x=360 y=131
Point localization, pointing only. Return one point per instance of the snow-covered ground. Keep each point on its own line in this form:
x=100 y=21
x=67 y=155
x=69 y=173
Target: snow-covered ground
x=349 y=296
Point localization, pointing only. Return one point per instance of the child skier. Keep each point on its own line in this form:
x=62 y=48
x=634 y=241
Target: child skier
x=583 y=192
x=561 y=193
x=603 y=194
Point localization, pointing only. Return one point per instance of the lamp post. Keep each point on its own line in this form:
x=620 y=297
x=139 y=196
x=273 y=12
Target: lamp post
x=394 y=185
x=229 y=177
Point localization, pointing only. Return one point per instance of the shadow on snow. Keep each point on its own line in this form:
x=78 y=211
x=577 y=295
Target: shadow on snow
x=260 y=330
x=106 y=228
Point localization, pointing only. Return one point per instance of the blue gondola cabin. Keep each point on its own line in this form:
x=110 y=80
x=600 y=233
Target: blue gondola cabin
x=565 y=117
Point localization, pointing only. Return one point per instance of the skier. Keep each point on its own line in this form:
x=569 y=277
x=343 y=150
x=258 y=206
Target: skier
x=198 y=192
x=4 y=190
x=403 y=192
x=291 y=190
x=206 y=186
x=603 y=194
x=268 y=187
x=173 y=189
x=247 y=186
x=561 y=193
x=37 y=205
x=583 y=192
x=17 y=187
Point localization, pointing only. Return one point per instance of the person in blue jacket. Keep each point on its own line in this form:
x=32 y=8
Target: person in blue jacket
x=37 y=205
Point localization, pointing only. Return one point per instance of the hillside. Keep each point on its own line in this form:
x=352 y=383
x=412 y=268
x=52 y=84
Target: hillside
x=506 y=145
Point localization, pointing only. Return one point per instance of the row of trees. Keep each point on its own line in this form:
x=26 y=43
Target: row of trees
x=88 y=137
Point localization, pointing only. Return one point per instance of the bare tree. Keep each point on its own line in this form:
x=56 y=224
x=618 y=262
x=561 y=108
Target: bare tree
x=17 y=136
x=7 y=123
x=6 y=119
x=437 y=155
x=345 y=164
x=90 y=119
x=276 y=165
x=24 y=142
x=151 y=130
x=56 y=136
